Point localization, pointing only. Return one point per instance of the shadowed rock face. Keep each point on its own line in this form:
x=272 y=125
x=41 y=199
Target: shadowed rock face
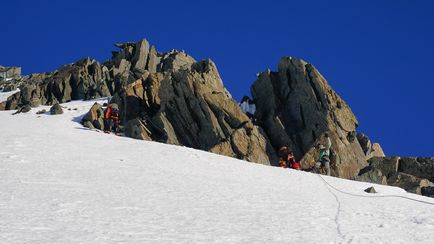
x=296 y=106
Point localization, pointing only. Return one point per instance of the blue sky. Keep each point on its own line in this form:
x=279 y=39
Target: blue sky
x=378 y=55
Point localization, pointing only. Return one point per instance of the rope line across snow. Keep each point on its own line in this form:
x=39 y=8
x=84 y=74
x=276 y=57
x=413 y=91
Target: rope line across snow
x=356 y=195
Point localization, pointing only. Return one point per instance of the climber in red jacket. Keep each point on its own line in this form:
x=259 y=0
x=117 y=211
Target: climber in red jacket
x=287 y=159
x=111 y=118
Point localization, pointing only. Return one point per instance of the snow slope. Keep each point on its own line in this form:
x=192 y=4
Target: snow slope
x=62 y=183
x=5 y=95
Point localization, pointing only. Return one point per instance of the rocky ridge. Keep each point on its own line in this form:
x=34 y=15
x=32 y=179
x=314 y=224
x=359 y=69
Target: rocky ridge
x=172 y=98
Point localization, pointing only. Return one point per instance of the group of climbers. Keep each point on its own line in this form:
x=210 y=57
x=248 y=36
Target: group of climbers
x=287 y=159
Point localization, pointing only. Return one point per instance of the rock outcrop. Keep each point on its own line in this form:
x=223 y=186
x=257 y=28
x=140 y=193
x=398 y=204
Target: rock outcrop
x=7 y=74
x=56 y=109
x=296 y=106
x=370 y=149
x=171 y=97
x=84 y=79
x=418 y=166
x=412 y=174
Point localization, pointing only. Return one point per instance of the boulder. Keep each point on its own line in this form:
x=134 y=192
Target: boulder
x=94 y=118
x=370 y=190
x=56 y=109
x=43 y=111
x=296 y=106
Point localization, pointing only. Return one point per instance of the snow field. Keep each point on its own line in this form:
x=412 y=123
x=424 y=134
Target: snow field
x=62 y=183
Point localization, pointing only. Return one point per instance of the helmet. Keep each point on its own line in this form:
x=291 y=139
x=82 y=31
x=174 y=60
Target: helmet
x=114 y=106
x=283 y=151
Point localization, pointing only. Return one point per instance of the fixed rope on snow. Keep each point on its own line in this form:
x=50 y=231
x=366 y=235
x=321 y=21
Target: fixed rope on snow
x=384 y=196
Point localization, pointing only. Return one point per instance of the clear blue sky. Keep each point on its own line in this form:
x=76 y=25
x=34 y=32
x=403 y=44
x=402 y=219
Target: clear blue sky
x=378 y=55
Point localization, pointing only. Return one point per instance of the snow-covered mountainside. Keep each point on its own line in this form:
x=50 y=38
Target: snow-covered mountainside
x=62 y=183
x=4 y=95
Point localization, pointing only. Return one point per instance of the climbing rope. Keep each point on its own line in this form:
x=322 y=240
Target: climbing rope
x=384 y=196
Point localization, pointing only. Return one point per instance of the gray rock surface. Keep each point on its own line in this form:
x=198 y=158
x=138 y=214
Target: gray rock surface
x=411 y=174
x=137 y=130
x=408 y=182
x=189 y=104
x=418 y=166
x=296 y=106
x=370 y=190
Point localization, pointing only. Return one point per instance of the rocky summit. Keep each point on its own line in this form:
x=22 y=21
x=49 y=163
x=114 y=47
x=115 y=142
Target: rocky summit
x=296 y=106
x=172 y=98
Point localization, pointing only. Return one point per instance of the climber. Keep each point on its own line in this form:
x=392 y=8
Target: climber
x=111 y=118
x=248 y=107
x=252 y=108
x=244 y=104
x=287 y=159
x=324 y=155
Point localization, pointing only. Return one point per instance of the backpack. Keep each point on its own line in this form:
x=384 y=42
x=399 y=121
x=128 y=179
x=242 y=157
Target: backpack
x=114 y=114
x=333 y=156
